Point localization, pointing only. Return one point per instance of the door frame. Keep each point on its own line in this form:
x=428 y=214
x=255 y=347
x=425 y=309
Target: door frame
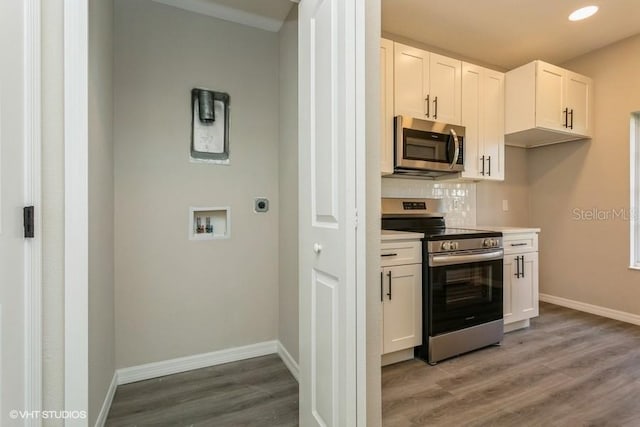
x=365 y=311
x=76 y=208
x=33 y=197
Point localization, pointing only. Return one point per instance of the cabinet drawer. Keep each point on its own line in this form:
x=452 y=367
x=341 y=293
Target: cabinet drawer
x=400 y=253
x=520 y=243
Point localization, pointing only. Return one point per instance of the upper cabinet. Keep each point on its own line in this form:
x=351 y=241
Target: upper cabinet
x=483 y=119
x=426 y=85
x=546 y=104
x=386 y=107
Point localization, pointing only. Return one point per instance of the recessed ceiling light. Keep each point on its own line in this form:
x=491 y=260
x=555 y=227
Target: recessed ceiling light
x=583 y=13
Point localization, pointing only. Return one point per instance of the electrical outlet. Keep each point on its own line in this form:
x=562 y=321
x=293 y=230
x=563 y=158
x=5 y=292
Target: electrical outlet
x=261 y=205
x=505 y=205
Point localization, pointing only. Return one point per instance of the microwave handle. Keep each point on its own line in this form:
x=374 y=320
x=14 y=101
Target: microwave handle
x=456 y=149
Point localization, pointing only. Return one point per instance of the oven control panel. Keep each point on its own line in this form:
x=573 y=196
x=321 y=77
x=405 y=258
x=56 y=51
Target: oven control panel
x=488 y=244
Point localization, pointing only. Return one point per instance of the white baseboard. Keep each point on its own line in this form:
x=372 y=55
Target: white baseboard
x=622 y=316
x=106 y=405
x=289 y=361
x=197 y=361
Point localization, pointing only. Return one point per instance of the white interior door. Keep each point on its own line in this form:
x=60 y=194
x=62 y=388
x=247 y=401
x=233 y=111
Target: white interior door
x=12 y=330
x=327 y=156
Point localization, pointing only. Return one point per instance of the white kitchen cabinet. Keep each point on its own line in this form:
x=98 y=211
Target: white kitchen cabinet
x=426 y=85
x=546 y=104
x=483 y=119
x=520 y=280
x=579 y=93
x=386 y=107
x=402 y=307
x=401 y=298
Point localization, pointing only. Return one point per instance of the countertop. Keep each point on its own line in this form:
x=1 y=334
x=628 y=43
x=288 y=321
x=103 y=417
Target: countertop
x=506 y=230
x=400 y=235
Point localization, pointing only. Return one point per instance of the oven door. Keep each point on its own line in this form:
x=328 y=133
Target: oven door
x=463 y=290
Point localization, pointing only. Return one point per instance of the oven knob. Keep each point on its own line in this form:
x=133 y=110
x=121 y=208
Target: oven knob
x=486 y=243
x=454 y=246
x=446 y=246
x=496 y=243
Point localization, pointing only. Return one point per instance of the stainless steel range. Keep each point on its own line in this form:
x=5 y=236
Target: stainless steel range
x=461 y=280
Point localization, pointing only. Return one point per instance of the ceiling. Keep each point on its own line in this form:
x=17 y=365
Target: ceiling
x=264 y=14
x=273 y=9
x=509 y=33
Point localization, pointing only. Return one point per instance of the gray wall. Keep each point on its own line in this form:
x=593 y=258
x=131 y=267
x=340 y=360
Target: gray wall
x=288 y=185
x=101 y=249
x=176 y=297
x=514 y=189
x=52 y=209
x=587 y=260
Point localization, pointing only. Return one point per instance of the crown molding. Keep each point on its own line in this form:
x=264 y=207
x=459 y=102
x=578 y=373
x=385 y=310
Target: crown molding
x=226 y=13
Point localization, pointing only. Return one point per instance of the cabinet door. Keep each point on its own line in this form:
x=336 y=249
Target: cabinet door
x=520 y=293
x=386 y=104
x=509 y=277
x=402 y=307
x=471 y=96
x=411 y=79
x=492 y=127
x=528 y=286
x=445 y=82
x=579 y=102
x=550 y=96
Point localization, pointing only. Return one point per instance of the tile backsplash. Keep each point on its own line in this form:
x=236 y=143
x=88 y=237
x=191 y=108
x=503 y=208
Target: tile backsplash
x=459 y=198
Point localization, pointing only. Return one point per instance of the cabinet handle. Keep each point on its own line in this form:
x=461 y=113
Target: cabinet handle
x=427 y=101
x=482 y=171
x=517 y=267
x=389 y=294
x=435 y=107
x=388 y=254
x=566 y=117
x=518 y=244
x=522 y=261
x=571 y=125
x=489 y=159
x=381 y=286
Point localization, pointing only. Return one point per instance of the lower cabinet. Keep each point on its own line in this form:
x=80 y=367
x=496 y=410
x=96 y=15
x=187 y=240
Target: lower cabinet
x=520 y=287
x=401 y=296
x=520 y=281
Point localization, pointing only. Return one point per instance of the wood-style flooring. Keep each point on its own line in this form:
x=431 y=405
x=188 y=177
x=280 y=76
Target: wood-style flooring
x=568 y=369
x=254 y=392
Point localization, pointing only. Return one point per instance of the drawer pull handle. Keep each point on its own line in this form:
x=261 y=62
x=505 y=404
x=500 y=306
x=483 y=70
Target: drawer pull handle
x=389 y=255
x=519 y=244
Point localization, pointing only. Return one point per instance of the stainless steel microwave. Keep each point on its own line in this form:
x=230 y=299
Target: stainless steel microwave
x=426 y=148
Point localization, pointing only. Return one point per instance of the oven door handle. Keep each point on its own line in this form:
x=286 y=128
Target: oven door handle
x=442 y=260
